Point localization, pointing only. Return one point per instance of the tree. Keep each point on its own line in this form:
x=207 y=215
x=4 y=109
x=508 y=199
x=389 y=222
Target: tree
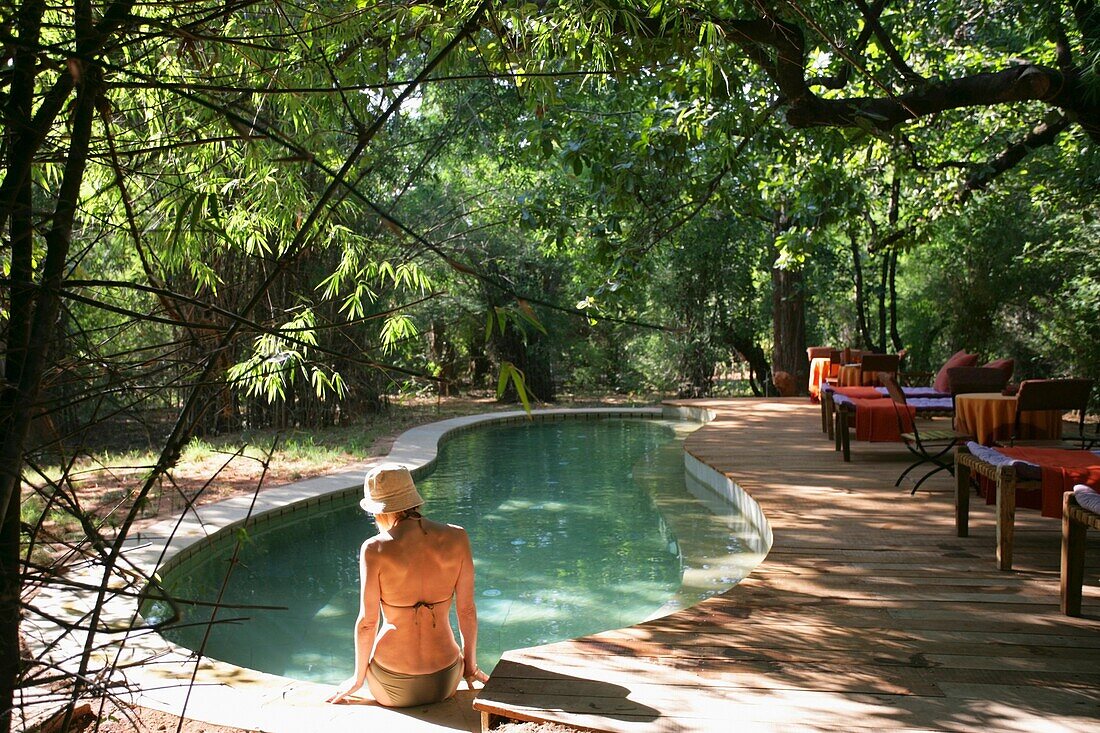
x=73 y=118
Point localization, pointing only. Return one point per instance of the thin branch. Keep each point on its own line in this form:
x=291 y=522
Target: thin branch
x=1045 y=133
x=840 y=79
x=871 y=18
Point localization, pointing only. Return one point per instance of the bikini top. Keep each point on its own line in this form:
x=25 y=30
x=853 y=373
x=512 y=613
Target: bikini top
x=419 y=605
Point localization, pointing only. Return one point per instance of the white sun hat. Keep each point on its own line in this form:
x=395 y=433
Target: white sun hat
x=389 y=488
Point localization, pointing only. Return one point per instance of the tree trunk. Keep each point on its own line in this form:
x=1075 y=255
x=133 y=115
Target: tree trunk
x=696 y=370
x=529 y=355
x=861 y=299
x=759 y=370
x=789 y=324
x=16 y=207
x=20 y=399
x=880 y=342
x=890 y=267
x=788 y=316
x=895 y=337
x=10 y=582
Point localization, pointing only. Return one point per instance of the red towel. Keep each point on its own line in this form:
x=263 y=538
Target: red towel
x=860 y=393
x=819 y=369
x=1061 y=469
x=877 y=421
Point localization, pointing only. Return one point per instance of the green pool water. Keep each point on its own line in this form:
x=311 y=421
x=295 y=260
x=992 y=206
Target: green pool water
x=577 y=526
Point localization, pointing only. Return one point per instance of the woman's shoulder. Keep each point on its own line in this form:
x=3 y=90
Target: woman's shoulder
x=451 y=535
x=446 y=527
x=375 y=543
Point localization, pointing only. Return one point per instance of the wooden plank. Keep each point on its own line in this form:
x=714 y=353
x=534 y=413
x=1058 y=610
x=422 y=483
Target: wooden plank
x=763 y=710
x=883 y=652
x=919 y=672
x=780 y=635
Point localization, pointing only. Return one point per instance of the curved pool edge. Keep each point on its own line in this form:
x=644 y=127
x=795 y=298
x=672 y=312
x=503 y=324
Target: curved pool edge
x=228 y=695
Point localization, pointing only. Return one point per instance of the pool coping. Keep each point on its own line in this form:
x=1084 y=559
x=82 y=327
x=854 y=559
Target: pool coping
x=229 y=695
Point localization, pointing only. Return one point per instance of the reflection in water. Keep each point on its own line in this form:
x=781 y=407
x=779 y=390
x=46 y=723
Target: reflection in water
x=576 y=527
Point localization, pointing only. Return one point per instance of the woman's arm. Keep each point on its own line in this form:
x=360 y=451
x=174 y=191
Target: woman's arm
x=366 y=625
x=467 y=615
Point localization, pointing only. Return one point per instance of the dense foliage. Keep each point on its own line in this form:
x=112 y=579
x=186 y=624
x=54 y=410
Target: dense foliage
x=269 y=214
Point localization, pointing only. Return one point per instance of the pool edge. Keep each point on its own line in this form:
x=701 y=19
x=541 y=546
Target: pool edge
x=229 y=695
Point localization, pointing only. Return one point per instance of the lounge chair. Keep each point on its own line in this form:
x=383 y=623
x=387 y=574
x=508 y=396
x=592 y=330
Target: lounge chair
x=842 y=406
x=1051 y=394
x=1008 y=474
x=968 y=380
x=871 y=365
x=929 y=446
x=1076 y=520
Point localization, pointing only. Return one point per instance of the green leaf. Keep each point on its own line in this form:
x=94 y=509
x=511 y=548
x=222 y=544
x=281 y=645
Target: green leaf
x=528 y=314
x=508 y=371
x=177 y=227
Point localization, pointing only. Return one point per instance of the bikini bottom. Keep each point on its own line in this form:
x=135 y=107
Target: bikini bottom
x=406 y=690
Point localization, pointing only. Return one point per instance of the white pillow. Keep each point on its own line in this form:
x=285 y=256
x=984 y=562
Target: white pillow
x=1087 y=497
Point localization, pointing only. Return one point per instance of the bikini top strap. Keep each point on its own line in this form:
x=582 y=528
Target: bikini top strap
x=421 y=604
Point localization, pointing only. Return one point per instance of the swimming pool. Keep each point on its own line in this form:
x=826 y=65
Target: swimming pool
x=577 y=526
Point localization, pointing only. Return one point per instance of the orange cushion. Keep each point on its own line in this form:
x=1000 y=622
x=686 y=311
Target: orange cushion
x=959 y=359
x=1006 y=365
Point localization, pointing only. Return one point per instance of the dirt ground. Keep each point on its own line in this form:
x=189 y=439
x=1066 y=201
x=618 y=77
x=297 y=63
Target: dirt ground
x=240 y=477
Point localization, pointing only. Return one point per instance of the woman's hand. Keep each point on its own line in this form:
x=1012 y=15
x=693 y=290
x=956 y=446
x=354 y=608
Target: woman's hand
x=474 y=675
x=346 y=688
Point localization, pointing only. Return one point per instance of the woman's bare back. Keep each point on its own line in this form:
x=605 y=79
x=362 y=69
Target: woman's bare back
x=417 y=564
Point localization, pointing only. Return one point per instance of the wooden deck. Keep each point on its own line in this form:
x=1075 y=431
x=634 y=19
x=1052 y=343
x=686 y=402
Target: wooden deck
x=868 y=613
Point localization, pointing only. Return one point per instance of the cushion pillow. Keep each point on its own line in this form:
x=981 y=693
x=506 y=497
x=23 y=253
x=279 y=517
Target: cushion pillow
x=1087 y=497
x=1006 y=365
x=959 y=359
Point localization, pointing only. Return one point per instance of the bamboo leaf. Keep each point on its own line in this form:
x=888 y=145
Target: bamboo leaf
x=528 y=314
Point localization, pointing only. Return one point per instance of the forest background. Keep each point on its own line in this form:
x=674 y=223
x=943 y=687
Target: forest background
x=230 y=216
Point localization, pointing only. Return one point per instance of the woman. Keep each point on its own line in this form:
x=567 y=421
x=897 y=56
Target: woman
x=409 y=572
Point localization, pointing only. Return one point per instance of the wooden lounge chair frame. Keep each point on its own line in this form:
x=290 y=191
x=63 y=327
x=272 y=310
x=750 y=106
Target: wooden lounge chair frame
x=835 y=359
x=875 y=362
x=878 y=364
x=846 y=419
x=1076 y=521
x=1006 y=481
x=828 y=412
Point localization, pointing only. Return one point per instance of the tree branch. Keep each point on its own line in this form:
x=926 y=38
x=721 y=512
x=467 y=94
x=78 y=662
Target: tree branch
x=840 y=80
x=1022 y=83
x=871 y=18
x=1045 y=133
